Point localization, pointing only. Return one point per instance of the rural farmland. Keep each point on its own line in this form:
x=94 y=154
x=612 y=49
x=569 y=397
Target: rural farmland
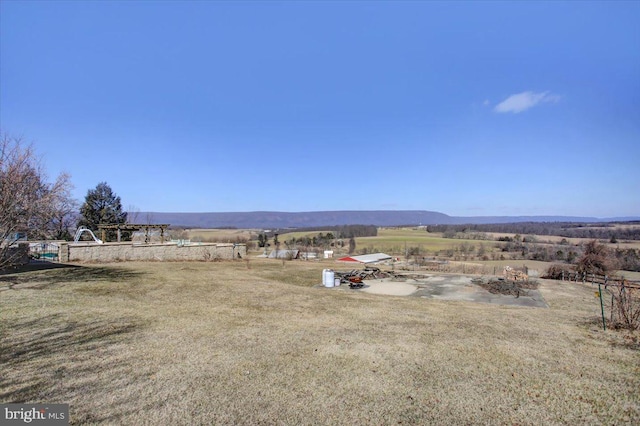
x=319 y=213
x=414 y=245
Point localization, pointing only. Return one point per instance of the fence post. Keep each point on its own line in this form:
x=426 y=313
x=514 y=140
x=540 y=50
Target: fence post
x=604 y=325
x=611 y=308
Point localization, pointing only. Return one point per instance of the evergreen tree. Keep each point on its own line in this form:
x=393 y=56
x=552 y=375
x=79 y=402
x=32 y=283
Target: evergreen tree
x=102 y=206
x=352 y=245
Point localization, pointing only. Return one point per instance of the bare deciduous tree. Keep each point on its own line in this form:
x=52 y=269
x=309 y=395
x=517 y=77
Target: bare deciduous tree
x=65 y=210
x=133 y=213
x=597 y=259
x=28 y=204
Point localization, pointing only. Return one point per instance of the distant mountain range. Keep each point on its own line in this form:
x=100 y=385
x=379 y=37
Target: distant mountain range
x=269 y=219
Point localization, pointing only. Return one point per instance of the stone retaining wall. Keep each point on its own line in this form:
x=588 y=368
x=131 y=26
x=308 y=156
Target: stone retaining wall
x=115 y=252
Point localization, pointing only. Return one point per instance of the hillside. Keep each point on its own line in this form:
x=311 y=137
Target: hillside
x=271 y=219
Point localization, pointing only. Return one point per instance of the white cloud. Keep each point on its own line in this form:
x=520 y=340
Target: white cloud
x=525 y=100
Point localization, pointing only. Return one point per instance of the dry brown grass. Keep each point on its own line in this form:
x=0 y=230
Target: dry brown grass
x=219 y=343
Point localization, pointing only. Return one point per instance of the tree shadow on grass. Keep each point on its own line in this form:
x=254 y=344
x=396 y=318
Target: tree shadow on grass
x=52 y=359
x=35 y=265
x=41 y=277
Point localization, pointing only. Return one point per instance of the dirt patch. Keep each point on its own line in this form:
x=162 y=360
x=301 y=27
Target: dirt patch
x=390 y=288
x=457 y=287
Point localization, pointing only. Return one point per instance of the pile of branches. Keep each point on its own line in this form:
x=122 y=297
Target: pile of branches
x=355 y=277
x=558 y=272
x=507 y=287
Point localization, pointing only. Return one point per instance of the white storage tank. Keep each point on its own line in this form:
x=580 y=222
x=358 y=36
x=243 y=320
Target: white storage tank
x=328 y=277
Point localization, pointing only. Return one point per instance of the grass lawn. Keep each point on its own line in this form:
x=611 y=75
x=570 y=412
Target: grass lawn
x=251 y=343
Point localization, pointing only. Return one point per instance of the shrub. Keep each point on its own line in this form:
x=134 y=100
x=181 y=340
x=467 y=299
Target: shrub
x=625 y=306
x=557 y=272
x=596 y=259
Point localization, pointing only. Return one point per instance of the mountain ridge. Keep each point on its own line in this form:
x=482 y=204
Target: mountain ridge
x=276 y=219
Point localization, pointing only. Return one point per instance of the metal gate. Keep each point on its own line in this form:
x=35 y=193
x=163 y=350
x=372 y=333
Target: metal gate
x=47 y=252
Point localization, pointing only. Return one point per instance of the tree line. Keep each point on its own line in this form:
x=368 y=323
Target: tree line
x=624 y=259
x=341 y=231
x=599 y=231
x=527 y=248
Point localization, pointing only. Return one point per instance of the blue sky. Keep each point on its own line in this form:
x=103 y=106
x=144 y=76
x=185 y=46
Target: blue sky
x=470 y=109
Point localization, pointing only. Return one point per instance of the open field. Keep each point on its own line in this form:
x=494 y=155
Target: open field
x=395 y=240
x=248 y=343
x=396 y=237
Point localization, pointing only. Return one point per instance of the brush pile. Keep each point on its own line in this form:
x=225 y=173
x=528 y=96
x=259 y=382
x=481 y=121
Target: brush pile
x=507 y=287
x=356 y=277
